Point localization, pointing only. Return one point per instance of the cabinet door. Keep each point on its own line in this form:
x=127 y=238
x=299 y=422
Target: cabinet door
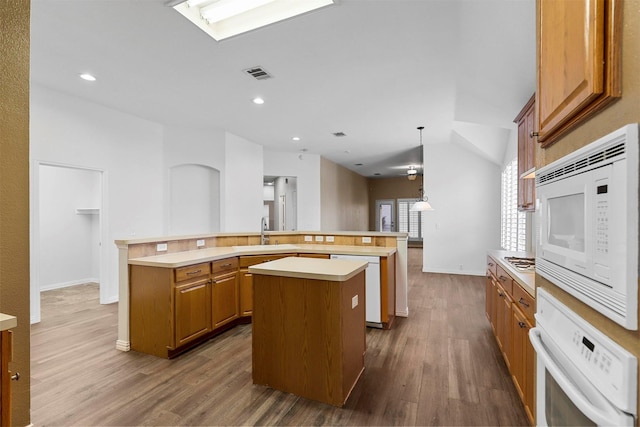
x=489 y=292
x=193 y=310
x=246 y=293
x=578 y=62
x=5 y=378
x=506 y=329
x=522 y=366
x=225 y=299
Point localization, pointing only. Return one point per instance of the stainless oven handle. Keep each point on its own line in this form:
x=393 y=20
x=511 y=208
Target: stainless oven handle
x=600 y=415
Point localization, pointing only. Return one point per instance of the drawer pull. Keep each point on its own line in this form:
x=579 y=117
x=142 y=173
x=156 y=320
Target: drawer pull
x=15 y=377
x=522 y=325
x=491 y=264
x=226 y=265
x=523 y=302
x=502 y=278
x=500 y=294
x=191 y=273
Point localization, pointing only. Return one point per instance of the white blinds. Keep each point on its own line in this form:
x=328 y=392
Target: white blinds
x=514 y=223
x=409 y=221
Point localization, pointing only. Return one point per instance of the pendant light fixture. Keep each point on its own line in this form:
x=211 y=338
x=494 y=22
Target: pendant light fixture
x=423 y=203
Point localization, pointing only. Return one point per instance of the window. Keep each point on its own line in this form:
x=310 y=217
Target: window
x=408 y=221
x=514 y=223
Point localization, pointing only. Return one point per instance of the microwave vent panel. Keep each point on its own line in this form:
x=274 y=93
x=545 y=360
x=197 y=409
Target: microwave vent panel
x=613 y=151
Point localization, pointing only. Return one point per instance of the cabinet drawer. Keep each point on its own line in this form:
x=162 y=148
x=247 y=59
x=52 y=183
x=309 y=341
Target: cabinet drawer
x=524 y=301
x=248 y=261
x=192 y=271
x=491 y=265
x=224 y=265
x=505 y=280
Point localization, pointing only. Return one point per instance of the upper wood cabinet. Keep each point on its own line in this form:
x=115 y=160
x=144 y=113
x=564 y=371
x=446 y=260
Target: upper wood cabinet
x=526 y=152
x=578 y=62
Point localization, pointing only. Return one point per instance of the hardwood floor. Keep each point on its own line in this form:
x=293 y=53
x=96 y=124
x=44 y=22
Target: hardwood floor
x=440 y=366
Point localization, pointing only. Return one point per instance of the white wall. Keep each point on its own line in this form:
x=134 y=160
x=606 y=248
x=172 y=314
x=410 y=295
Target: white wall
x=306 y=168
x=194 y=200
x=464 y=190
x=242 y=205
x=70 y=131
x=69 y=243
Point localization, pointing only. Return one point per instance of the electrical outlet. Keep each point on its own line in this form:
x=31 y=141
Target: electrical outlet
x=366 y=240
x=330 y=239
x=161 y=247
x=308 y=239
x=200 y=243
x=354 y=302
x=319 y=238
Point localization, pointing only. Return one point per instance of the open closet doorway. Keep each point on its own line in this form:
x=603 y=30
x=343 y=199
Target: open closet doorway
x=67 y=223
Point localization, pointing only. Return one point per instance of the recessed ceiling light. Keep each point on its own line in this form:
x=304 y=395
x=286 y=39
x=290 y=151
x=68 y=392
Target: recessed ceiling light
x=258 y=101
x=88 y=77
x=358 y=164
x=296 y=138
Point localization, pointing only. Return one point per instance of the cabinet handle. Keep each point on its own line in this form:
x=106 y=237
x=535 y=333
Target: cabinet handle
x=533 y=134
x=502 y=278
x=522 y=325
x=491 y=264
x=523 y=302
x=226 y=265
x=189 y=273
x=500 y=294
x=16 y=376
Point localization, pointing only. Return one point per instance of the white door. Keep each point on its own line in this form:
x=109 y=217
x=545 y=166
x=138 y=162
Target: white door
x=385 y=215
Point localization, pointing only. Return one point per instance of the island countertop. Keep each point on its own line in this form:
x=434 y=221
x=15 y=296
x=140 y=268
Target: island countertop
x=336 y=270
x=7 y=322
x=181 y=259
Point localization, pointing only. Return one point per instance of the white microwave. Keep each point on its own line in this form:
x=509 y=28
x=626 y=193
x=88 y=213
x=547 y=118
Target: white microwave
x=587 y=210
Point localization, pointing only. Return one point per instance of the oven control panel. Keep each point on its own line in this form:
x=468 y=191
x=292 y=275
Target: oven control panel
x=608 y=366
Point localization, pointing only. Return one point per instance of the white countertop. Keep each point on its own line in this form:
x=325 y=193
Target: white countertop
x=525 y=279
x=335 y=270
x=7 y=322
x=181 y=259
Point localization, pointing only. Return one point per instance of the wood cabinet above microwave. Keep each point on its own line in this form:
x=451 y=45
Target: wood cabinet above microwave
x=578 y=63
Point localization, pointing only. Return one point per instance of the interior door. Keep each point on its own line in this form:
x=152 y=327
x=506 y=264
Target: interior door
x=386 y=215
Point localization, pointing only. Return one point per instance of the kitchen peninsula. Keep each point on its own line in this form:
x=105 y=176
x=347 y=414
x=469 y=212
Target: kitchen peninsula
x=309 y=326
x=178 y=292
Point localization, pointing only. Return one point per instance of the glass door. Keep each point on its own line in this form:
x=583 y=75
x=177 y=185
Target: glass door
x=385 y=215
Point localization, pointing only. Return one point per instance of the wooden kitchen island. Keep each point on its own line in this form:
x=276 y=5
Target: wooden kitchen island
x=309 y=326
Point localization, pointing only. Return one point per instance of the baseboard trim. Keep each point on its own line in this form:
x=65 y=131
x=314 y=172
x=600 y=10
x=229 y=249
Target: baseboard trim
x=61 y=285
x=459 y=272
x=123 y=345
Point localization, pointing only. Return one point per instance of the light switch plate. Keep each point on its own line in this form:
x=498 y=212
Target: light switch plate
x=161 y=247
x=319 y=238
x=354 y=301
x=308 y=239
x=330 y=239
x=366 y=240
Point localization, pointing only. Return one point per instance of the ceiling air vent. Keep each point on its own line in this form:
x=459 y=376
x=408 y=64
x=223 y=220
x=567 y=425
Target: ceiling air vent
x=339 y=134
x=258 y=73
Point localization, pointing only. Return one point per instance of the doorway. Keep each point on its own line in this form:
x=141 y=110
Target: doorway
x=67 y=221
x=280 y=198
x=386 y=215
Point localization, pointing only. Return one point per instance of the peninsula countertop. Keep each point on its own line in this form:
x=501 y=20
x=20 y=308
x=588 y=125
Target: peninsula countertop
x=336 y=270
x=181 y=259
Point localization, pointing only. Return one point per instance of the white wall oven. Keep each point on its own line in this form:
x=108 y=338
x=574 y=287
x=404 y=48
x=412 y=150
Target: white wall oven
x=588 y=225
x=583 y=378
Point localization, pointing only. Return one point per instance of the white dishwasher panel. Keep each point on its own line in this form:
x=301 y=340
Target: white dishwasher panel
x=373 y=307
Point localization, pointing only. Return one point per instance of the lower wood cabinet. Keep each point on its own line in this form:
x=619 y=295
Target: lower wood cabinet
x=246 y=279
x=5 y=377
x=225 y=298
x=510 y=310
x=193 y=311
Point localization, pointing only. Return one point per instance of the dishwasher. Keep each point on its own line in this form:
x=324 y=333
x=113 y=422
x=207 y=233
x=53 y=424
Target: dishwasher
x=373 y=302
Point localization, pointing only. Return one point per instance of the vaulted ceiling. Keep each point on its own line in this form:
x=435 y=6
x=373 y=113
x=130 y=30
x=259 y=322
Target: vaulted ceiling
x=372 y=69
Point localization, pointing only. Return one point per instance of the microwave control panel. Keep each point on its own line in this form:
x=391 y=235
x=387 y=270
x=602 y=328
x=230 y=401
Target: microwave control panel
x=602 y=219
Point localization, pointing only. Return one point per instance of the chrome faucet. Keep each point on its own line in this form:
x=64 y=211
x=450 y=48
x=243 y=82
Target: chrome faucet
x=263 y=226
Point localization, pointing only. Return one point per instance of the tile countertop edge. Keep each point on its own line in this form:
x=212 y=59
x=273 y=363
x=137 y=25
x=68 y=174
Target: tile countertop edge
x=182 y=259
x=526 y=280
x=333 y=270
x=7 y=322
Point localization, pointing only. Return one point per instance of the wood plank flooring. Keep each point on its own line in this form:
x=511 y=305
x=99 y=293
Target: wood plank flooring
x=440 y=366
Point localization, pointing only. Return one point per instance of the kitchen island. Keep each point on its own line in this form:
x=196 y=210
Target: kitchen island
x=309 y=326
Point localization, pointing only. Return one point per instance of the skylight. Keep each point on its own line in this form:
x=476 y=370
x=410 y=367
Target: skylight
x=222 y=19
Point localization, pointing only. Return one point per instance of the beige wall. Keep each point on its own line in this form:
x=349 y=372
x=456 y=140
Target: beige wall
x=14 y=192
x=624 y=111
x=344 y=199
x=390 y=188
